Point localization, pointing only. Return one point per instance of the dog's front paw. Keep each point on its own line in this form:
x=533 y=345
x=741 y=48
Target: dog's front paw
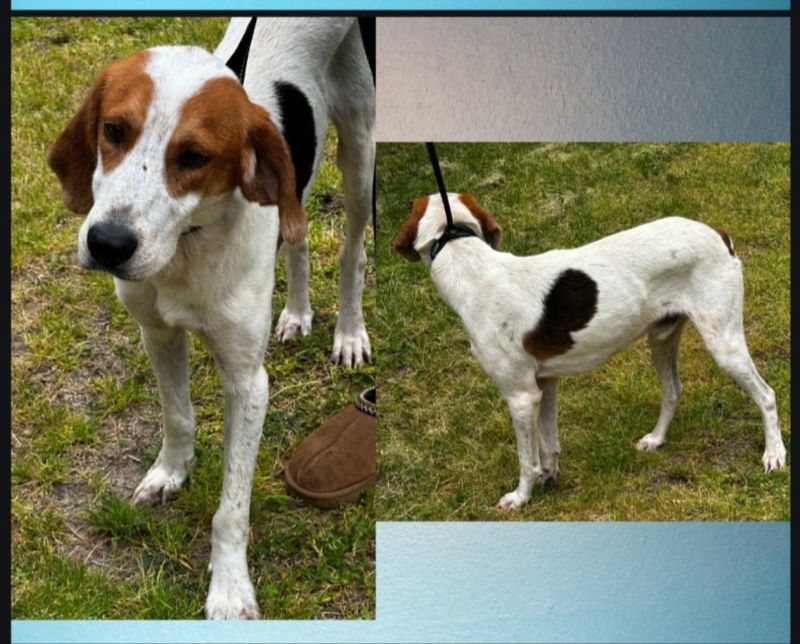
x=350 y=347
x=231 y=595
x=648 y=443
x=512 y=501
x=774 y=458
x=162 y=480
x=290 y=323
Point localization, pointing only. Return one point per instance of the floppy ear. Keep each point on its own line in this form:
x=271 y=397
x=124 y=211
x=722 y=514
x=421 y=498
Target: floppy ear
x=73 y=156
x=404 y=244
x=492 y=232
x=404 y=240
x=269 y=177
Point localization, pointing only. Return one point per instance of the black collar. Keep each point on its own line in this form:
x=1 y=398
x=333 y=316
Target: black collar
x=450 y=233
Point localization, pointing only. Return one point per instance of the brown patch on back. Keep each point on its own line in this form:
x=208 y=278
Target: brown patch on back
x=569 y=306
x=492 y=233
x=244 y=149
x=405 y=238
x=123 y=90
x=726 y=239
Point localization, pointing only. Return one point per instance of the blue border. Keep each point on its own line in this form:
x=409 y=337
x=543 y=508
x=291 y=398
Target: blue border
x=629 y=582
x=532 y=582
x=406 y=5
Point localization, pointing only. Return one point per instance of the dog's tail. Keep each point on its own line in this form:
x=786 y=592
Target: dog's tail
x=726 y=239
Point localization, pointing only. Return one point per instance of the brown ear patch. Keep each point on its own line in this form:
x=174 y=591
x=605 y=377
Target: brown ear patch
x=244 y=149
x=121 y=92
x=212 y=124
x=569 y=306
x=126 y=97
x=73 y=157
x=405 y=238
x=726 y=239
x=274 y=181
x=492 y=232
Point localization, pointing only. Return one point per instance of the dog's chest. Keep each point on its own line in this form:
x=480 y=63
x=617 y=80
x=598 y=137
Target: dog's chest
x=179 y=310
x=202 y=303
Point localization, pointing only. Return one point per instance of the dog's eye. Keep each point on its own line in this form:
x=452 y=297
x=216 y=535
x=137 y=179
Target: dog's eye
x=190 y=160
x=114 y=133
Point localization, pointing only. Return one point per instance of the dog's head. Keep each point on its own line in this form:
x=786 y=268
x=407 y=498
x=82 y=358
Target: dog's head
x=161 y=143
x=428 y=221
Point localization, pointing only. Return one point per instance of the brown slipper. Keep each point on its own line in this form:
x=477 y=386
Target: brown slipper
x=335 y=463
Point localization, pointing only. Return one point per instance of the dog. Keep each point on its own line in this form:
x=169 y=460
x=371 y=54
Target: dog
x=532 y=320
x=190 y=182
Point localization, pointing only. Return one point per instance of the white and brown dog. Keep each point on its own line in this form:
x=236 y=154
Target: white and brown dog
x=190 y=180
x=532 y=320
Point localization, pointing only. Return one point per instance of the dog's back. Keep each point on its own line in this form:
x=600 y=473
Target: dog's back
x=572 y=309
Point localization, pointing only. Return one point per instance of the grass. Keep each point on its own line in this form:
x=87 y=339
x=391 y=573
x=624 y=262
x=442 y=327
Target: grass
x=85 y=412
x=446 y=446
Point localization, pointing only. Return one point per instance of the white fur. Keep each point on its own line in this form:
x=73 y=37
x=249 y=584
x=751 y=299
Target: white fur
x=136 y=185
x=323 y=58
x=218 y=281
x=666 y=267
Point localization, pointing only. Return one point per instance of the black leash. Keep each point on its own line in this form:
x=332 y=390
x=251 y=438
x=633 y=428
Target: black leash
x=452 y=231
x=238 y=60
x=366 y=26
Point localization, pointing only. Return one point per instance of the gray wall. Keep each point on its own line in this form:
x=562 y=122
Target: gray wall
x=583 y=79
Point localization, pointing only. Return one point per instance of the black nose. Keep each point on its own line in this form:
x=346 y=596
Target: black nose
x=111 y=244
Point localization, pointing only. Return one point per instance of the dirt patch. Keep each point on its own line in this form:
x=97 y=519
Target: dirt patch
x=113 y=462
x=115 y=467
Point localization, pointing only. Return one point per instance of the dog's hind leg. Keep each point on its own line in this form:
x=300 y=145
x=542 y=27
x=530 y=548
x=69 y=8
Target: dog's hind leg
x=665 y=339
x=718 y=317
x=727 y=345
x=524 y=407
x=549 y=447
x=353 y=113
x=167 y=349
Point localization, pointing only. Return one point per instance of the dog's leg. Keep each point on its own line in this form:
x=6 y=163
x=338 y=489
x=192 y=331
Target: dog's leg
x=353 y=113
x=664 y=345
x=549 y=447
x=350 y=340
x=297 y=314
x=728 y=347
x=167 y=349
x=524 y=408
x=231 y=594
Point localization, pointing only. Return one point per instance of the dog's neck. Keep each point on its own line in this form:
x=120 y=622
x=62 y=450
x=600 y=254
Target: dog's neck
x=235 y=237
x=450 y=234
x=459 y=274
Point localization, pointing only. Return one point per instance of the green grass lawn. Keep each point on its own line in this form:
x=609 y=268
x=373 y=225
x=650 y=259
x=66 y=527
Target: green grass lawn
x=85 y=412
x=446 y=446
